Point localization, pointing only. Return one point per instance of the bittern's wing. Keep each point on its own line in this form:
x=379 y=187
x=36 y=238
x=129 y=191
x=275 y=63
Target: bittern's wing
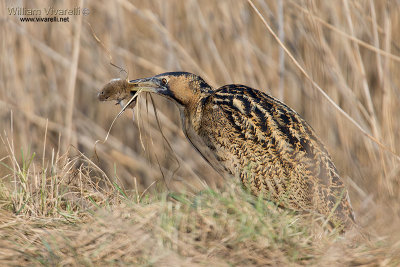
x=237 y=114
x=271 y=148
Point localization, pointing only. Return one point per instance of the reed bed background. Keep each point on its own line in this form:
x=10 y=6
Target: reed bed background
x=66 y=200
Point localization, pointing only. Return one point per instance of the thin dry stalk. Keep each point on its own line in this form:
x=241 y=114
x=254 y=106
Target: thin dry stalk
x=72 y=83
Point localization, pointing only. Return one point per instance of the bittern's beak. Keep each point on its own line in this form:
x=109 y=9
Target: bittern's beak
x=151 y=85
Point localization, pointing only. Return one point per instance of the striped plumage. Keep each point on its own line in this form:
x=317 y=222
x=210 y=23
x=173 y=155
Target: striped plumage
x=272 y=150
x=248 y=134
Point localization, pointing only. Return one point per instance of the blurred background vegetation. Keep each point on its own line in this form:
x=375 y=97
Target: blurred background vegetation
x=50 y=74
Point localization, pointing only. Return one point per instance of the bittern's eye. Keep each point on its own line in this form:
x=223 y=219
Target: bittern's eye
x=164 y=81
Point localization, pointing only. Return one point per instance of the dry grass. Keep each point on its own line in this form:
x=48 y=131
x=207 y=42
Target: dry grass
x=69 y=215
x=61 y=204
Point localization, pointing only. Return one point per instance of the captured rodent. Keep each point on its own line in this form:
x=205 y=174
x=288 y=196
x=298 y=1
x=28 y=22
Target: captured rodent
x=119 y=90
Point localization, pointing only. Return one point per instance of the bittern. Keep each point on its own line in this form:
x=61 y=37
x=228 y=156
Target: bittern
x=245 y=133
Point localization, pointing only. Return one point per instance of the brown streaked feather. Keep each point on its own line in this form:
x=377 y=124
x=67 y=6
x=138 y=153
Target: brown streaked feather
x=273 y=150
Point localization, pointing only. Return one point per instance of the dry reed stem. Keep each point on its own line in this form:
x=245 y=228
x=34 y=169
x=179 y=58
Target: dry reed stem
x=348 y=36
x=347 y=116
x=72 y=82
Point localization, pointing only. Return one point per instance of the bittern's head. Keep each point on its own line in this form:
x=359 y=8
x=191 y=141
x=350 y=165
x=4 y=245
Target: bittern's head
x=182 y=87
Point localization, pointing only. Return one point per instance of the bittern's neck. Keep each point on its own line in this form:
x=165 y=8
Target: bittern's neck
x=192 y=103
x=192 y=111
